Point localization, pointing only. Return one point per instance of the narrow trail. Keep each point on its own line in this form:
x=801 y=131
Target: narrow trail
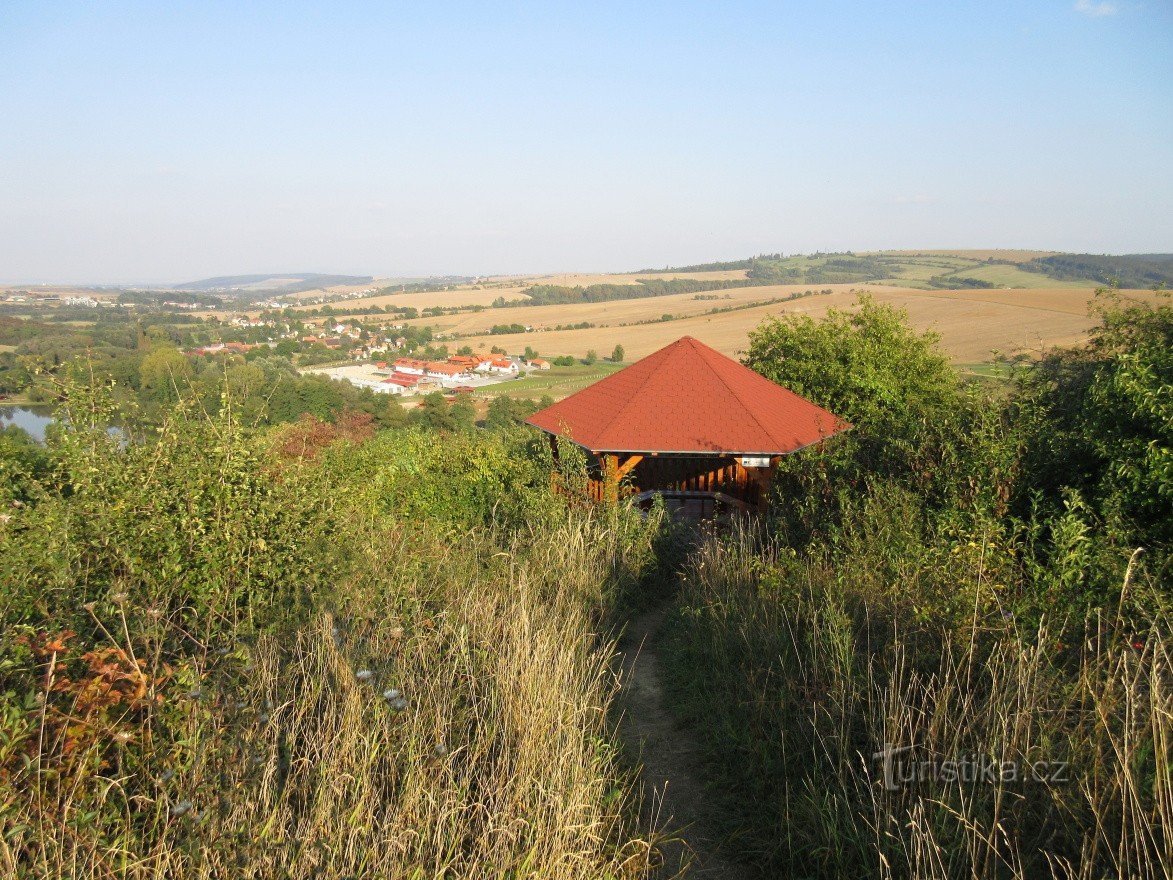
x=674 y=793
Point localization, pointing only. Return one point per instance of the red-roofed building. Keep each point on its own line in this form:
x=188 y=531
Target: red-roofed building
x=443 y=370
x=689 y=423
x=408 y=365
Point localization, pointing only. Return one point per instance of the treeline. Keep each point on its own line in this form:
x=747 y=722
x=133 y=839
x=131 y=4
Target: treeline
x=958 y=282
x=1127 y=271
x=829 y=270
x=555 y=294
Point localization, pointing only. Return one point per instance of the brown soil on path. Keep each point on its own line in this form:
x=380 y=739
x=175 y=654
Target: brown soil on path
x=675 y=798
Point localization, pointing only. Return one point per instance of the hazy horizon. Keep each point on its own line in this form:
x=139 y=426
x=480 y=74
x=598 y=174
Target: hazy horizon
x=163 y=145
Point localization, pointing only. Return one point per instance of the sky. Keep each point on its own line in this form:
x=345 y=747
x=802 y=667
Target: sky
x=164 y=142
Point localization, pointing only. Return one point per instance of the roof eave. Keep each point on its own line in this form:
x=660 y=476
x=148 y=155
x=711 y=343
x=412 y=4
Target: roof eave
x=690 y=451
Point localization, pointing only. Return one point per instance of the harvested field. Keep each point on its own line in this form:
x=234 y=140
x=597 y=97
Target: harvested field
x=457 y=298
x=972 y=323
x=617 y=312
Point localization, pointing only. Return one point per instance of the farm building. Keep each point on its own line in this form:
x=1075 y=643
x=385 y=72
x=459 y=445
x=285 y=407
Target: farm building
x=689 y=424
x=443 y=370
x=539 y=364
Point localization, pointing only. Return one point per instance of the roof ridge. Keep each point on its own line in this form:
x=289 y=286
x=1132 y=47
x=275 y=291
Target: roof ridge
x=744 y=405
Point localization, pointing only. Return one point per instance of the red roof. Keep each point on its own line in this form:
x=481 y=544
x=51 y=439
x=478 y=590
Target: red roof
x=688 y=397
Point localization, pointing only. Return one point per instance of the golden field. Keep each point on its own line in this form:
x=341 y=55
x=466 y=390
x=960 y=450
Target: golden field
x=973 y=324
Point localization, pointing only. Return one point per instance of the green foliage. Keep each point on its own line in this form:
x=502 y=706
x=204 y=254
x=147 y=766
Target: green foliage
x=1100 y=421
x=592 y=356
x=617 y=354
x=190 y=523
x=506 y=413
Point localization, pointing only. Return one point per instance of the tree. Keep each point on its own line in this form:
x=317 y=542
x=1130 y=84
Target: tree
x=505 y=413
x=617 y=354
x=913 y=421
x=163 y=374
x=1099 y=421
x=591 y=357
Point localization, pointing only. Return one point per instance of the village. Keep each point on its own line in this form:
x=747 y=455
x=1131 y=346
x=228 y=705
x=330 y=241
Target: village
x=459 y=374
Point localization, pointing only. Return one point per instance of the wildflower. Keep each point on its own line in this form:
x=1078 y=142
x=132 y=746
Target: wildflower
x=396 y=632
x=90 y=606
x=119 y=598
x=391 y=695
x=364 y=675
x=1138 y=644
x=181 y=808
x=399 y=704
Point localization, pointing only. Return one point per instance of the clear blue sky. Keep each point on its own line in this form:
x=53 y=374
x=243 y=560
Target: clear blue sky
x=169 y=141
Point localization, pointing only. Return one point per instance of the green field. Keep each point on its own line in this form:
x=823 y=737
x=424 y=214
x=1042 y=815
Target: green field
x=558 y=382
x=1012 y=276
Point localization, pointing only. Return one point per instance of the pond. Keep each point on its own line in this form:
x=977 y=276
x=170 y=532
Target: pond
x=33 y=419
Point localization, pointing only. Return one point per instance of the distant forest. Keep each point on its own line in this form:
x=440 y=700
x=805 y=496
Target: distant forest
x=557 y=294
x=1128 y=270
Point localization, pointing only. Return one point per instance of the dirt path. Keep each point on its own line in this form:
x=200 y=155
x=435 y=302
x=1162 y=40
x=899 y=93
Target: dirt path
x=675 y=796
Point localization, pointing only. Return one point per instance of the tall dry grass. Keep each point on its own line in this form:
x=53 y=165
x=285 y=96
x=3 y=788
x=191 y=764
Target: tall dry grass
x=445 y=716
x=802 y=678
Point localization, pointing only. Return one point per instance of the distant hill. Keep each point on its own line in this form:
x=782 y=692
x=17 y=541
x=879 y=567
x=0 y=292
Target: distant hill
x=955 y=269
x=289 y=282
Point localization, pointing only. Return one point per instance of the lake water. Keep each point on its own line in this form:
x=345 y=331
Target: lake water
x=33 y=419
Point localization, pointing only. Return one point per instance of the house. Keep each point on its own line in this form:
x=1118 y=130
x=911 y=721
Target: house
x=497 y=365
x=689 y=424
x=539 y=364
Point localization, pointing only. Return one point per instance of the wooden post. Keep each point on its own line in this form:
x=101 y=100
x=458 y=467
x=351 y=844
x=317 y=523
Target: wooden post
x=765 y=478
x=614 y=472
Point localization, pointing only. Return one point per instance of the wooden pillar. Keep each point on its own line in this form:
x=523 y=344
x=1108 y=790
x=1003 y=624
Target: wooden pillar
x=614 y=472
x=765 y=480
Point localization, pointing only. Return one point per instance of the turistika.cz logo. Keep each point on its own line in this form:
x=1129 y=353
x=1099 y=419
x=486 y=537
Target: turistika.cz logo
x=903 y=767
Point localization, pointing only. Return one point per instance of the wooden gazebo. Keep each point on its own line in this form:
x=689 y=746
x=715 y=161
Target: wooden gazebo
x=687 y=423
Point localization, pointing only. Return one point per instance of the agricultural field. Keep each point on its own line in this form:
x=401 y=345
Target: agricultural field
x=511 y=287
x=614 y=313
x=973 y=324
x=557 y=382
